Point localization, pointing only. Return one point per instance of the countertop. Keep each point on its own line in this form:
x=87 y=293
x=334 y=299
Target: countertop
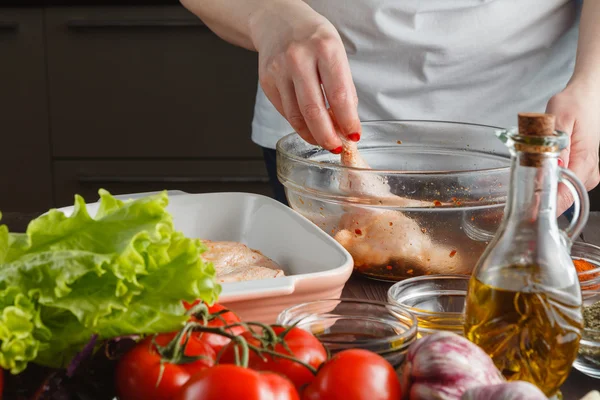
x=576 y=386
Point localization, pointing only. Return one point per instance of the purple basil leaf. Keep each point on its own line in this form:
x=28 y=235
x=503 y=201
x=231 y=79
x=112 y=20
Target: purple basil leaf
x=85 y=353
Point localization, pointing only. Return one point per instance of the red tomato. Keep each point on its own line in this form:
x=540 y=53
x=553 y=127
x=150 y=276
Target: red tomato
x=230 y=382
x=217 y=342
x=354 y=375
x=303 y=345
x=138 y=370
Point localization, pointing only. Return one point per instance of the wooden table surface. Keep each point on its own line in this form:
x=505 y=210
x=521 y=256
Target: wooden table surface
x=576 y=386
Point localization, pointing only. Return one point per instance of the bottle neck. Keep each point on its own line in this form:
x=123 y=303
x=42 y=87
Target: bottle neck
x=534 y=188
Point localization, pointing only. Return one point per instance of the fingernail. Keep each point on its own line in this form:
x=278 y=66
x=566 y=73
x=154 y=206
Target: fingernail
x=560 y=162
x=355 y=137
x=337 y=150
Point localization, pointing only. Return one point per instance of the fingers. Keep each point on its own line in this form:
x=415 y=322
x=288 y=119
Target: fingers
x=312 y=106
x=584 y=164
x=565 y=199
x=336 y=76
x=283 y=97
x=272 y=93
x=564 y=122
x=296 y=69
x=292 y=110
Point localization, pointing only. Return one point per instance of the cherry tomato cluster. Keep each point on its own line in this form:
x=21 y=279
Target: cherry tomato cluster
x=225 y=359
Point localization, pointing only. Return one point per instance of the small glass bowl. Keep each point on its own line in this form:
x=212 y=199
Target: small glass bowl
x=342 y=324
x=437 y=301
x=588 y=359
x=589 y=280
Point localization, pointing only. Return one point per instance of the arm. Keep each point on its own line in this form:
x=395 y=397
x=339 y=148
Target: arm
x=587 y=65
x=229 y=19
x=577 y=107
x=298 y=49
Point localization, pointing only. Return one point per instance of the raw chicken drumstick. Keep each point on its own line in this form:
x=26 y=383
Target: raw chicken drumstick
x=385 y=237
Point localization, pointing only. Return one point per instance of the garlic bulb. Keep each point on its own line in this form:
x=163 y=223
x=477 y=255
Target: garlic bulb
x=444 y=365
x=517 y=390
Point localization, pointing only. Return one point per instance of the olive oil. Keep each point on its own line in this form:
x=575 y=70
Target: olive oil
x=532 y=335
x=524 y=305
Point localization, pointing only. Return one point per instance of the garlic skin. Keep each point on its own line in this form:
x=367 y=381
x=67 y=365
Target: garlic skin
x=517 y=390
x=443 y=366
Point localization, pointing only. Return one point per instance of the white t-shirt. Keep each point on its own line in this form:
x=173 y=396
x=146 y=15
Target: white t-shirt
x=480 y=61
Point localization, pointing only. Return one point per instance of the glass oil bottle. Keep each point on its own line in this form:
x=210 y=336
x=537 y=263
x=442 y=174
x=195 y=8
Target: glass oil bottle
x=524 y=302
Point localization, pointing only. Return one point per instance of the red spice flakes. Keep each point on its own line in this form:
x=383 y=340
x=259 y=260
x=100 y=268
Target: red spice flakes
x=391 y=224
x=358 y=231
x=456 y=201
x=423 y=230
x=410 y=271
x=389 y=267
x=399 y=141
x=452 y=253
x=437 y=203
x=301 y=201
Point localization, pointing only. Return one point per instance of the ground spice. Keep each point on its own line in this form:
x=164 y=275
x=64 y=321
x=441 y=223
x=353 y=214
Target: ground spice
x=591 y=316
x=582 y=267
x=588 y=348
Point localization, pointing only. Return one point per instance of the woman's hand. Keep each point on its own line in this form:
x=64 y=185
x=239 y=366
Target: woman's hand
x=298 y=51
x=577 y=111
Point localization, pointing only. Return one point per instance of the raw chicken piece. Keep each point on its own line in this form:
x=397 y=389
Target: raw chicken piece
x=236 y=262
x=382 y=238
x=365 y=185
x=385 y=237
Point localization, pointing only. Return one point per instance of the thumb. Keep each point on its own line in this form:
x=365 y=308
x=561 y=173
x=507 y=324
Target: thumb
x=565 y=122
x=565 y=199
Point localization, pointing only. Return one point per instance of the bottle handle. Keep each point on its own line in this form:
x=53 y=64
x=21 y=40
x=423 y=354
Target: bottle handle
x=581 y=204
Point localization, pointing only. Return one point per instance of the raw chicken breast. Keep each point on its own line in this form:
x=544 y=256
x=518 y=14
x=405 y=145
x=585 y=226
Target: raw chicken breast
x=236 y=262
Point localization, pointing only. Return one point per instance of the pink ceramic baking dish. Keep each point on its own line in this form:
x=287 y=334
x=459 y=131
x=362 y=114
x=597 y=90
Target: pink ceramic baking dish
x=315 y=265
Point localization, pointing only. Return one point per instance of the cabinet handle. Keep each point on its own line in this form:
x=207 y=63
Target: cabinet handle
x=171 y=179
x=85 y=24
x=9 y=26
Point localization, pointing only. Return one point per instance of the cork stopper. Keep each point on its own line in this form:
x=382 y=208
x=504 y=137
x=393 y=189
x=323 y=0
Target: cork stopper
x=536 y=124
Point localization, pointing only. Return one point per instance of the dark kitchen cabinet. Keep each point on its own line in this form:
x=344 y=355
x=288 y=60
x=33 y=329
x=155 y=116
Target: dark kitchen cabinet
x=129 y=98
x=147 y=98
x=25 y=164
x=85 y=177
x=146 y=82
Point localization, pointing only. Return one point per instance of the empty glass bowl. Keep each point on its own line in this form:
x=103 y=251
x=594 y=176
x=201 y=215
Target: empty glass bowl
x=437 y=301
x=342 y=324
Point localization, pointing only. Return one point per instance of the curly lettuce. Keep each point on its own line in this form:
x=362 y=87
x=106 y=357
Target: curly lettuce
x=124 y=271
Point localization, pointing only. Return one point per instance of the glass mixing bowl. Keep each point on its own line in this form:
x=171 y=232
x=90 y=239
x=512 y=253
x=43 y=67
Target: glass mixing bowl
x=430 y=203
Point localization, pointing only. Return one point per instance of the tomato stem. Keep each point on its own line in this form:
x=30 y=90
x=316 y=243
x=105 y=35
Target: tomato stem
x=195 y=326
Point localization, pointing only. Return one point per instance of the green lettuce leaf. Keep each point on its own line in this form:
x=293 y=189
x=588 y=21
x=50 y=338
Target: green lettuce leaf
x=123 y=272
